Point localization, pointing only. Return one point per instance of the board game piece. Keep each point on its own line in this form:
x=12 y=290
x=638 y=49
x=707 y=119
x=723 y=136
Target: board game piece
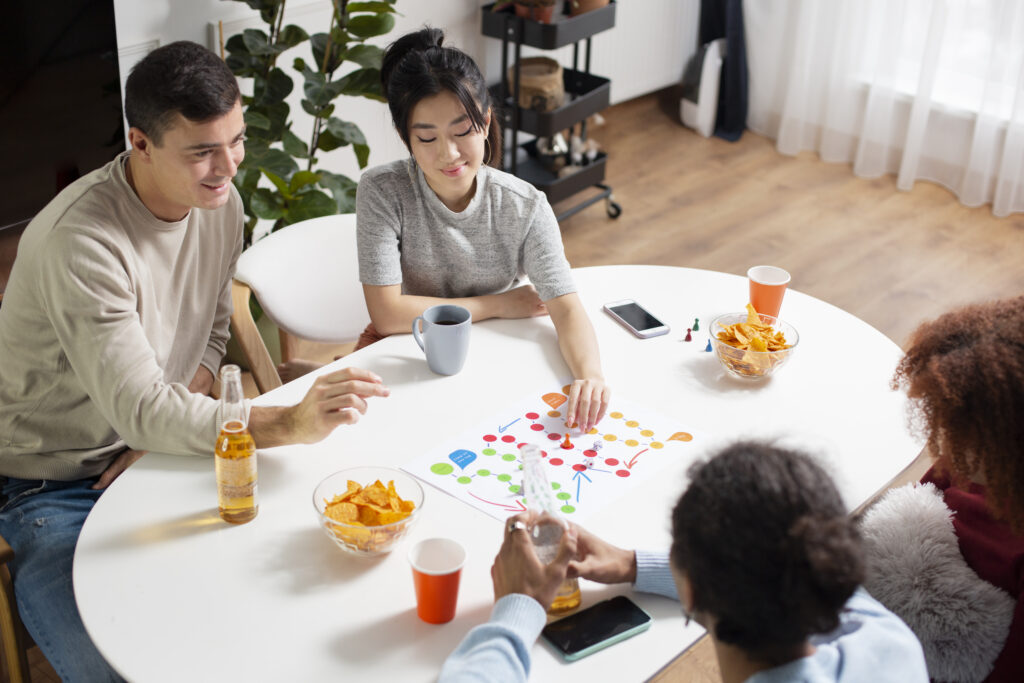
x=688 y=336
x=696 y=324
x=708 y=348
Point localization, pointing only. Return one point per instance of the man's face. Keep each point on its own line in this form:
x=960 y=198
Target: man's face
x=193 y=165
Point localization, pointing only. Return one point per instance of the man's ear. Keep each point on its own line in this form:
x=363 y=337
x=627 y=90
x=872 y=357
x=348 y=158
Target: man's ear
x=140 y=143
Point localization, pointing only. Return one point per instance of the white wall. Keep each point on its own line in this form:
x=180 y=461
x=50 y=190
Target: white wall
x=646 y=50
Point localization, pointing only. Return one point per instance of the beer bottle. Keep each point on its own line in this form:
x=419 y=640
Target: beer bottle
x=235 y=453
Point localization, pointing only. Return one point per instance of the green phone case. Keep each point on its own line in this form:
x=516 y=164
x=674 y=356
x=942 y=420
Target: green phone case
x=618 y=637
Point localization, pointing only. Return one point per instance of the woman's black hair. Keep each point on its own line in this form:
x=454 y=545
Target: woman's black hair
x=416 y=66
x=764 y=539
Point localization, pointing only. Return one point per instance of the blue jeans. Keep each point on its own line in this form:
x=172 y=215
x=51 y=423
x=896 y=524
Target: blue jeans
x=41 y=520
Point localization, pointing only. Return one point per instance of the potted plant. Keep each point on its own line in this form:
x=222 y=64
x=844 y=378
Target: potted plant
x=581 y=6
x=538 y=10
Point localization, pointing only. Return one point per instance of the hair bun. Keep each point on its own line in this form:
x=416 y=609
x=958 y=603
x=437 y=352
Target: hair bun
x=417 y=41
x=831 y=548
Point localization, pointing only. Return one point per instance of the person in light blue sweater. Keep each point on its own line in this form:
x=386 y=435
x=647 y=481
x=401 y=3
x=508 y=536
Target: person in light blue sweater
x=763 y=556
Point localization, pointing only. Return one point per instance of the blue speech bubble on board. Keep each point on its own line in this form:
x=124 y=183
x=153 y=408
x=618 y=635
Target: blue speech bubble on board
x=462 y=458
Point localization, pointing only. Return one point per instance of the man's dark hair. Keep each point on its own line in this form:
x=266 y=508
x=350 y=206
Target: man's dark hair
x=762 y=535
x=180 y=78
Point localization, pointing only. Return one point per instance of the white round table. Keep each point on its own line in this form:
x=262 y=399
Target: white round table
x=169 y=592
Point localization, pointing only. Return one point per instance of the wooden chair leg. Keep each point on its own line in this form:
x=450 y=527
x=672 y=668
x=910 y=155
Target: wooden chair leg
x=12 y=632
x=289 y=346
x=243 y=327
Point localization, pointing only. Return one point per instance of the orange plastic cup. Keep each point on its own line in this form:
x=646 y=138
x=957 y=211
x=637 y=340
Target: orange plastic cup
x=767 y=287
x=436 y=569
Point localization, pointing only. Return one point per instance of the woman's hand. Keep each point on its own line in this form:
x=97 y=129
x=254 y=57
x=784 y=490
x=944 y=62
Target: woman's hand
x=588 y=401
x=600 y=561
x=517 y=569
x=521 y=302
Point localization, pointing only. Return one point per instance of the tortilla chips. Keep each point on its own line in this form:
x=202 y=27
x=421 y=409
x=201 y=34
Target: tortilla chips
x=758 y=347
x=367 y=515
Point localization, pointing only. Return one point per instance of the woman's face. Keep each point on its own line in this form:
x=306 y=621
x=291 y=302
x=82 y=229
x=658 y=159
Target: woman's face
x=447 y=147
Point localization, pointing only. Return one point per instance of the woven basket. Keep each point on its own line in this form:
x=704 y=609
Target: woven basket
x=542 y=87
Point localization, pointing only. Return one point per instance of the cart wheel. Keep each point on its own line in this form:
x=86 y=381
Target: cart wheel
x=613 y=208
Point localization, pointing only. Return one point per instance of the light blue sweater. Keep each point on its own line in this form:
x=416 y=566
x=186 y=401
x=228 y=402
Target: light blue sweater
x=871 y=643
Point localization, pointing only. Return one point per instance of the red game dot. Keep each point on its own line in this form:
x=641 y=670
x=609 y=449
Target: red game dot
x=623 y=473
x=490 y=437
x=532 y=416
x=590 y=453
x=508 y=438
x=537 y=427
x=568 y=446
x=555 y=461
x=544 y=453
x=555 y=437
x=580 y=468
x=611 y=462
x=520 y=445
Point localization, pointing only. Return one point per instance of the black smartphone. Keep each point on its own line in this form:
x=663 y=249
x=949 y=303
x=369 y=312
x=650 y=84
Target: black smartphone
x=596 y=627
x=636 y=318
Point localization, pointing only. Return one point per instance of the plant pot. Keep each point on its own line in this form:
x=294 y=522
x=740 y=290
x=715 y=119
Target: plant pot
x=539 y=13
x=581 y=6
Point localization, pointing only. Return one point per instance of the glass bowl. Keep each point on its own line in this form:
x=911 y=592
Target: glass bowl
x=751 y=364
x=367 y=540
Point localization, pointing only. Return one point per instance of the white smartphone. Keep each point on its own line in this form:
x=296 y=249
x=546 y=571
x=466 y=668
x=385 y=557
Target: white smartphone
x=636 y=318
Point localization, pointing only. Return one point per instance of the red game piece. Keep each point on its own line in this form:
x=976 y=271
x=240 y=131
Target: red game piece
x=688 y=337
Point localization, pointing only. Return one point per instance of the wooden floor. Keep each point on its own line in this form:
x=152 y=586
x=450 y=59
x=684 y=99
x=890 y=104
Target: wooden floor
x=892 y=258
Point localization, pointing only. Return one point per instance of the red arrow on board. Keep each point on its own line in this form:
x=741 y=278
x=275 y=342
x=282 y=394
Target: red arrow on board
x=518 y=507
x=630 y=465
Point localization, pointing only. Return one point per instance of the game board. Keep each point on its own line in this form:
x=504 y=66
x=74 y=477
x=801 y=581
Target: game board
x=482 y=466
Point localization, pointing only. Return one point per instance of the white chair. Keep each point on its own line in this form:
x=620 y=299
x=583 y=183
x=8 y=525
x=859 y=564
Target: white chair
x=306 y=279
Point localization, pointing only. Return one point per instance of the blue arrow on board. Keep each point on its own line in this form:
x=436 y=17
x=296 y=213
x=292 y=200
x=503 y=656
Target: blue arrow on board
x=579 y=482
x=501 y=430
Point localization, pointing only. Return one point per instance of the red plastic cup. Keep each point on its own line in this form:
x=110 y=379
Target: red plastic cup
x=767 y=287
x=436 y=569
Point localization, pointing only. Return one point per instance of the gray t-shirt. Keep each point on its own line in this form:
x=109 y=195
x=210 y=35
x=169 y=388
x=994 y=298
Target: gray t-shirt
x=407 y=235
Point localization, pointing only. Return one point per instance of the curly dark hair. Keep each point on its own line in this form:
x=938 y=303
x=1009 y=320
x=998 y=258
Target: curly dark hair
x=964 y=374
x=764 y=539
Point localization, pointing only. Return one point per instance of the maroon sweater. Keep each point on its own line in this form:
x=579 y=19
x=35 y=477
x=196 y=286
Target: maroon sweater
x=997 y=555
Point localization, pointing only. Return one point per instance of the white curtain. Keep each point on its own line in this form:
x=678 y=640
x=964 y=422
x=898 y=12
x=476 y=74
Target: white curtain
x=925 y=89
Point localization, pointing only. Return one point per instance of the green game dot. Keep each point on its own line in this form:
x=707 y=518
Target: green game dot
x=568 y=509
x=508 y=457
x=555 y=485
x=514 y=488
x=488 y=451
x=504 y=477
x=483 y=473
x=563 y=496
x=442 y=468
x=464 y=480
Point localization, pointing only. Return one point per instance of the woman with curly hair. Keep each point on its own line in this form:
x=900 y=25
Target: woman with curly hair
x=964 y=375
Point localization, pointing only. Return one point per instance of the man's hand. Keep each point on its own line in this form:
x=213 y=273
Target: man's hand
x=335 y=399
x=601 y=561
x=517 y=569
x=521 y=302
x=122 y=462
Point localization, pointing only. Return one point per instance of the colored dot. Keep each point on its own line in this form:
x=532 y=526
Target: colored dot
x=682 y=436
x=532 y=416
x=442 y=468
x=568 y=509
x=631 y=442
x=483 y=473
x=610 y=437
x=520 y=445
x=555 y=461
x=622 y=473
x=563 y=496
x=590 y=453
x=580 y=468
x=567 y=446
x=555 y=485
x=508 y=438
x=632 y=423
x=574 y=425
x=593 y=430
x=463 y=480
x=488 y=451
x=657 y=444
x=504 y=477
x=537 y=427
x=647 y=432
x=611 y=462
x=514 y=488
x=565 y=389
x=490 y=437
x=543 y=454
x=554 y=413
x=615 y=416
x=555 y=437
x=508 y=457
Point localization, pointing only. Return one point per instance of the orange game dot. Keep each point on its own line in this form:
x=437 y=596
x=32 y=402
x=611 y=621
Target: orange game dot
x=647 y=432
x=615 y=416
x=554 y=413
x=632 y=423
x=681 y=436
x=593 y=430
x=631 y=442
x=657 y=444
x=610 y=437
x=565 y=389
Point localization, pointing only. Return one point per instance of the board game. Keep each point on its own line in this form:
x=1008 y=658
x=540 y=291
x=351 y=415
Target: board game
x=482 y=466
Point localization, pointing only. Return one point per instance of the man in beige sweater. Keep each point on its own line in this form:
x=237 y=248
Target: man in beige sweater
x=113 y=327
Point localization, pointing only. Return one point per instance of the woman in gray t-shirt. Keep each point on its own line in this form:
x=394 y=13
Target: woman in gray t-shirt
x=444 y=225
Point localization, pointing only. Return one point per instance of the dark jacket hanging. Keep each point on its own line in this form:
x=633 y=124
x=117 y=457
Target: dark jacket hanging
x=718 y=19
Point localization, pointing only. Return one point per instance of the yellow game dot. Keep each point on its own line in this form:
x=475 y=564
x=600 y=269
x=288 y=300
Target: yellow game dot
x=616 y=415
x=632 y=423
x=647 y=432
x=554 y=413
x=656 y=444
x=631 y=442
x=610 y=437
x=593 y=430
